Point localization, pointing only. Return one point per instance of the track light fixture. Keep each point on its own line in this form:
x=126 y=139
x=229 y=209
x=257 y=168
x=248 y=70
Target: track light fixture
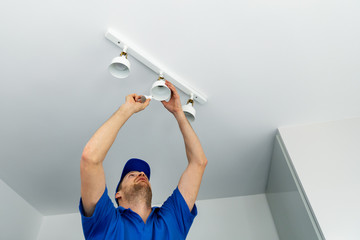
x=189 y=109
x=120 y=66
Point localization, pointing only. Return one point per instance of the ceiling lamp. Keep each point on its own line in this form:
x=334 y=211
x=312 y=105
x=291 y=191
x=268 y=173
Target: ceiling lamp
x=189 y=109
x=120 y=66
x=159 y=91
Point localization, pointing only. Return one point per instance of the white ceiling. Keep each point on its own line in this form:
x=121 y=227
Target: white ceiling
x=262 y=64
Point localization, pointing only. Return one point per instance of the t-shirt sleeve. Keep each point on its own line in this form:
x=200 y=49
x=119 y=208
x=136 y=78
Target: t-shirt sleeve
x=178 y=208
x=97 y=225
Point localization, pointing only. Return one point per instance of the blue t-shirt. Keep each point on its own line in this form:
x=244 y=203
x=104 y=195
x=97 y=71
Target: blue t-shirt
x=171 y=221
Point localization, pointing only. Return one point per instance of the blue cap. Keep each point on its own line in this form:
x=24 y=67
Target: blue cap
x=134 y=164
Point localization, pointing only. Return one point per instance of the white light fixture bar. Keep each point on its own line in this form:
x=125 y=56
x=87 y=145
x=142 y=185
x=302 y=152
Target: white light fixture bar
x=132 y=50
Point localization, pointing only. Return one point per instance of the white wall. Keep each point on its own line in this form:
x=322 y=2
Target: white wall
x=60 y=227
x=326 y=157
x=289 y=208
x=18 y=219
x=246 y=218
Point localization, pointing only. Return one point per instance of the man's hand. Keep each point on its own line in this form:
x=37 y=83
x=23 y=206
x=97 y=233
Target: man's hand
x=174 y=104
x=133 y=104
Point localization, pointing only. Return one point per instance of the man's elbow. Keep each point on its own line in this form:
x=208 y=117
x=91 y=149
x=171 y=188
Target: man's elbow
x=86 y=155
x=89 y=156
x=203 y=162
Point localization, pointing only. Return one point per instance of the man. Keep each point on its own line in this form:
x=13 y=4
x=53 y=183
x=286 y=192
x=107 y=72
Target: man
x=134 y=218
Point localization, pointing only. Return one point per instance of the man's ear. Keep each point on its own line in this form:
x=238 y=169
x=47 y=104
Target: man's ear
x=118 y=195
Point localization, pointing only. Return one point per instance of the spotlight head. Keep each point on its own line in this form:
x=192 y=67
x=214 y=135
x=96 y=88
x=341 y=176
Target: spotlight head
x=159 y=91
x=189 y=110
x=120 y=66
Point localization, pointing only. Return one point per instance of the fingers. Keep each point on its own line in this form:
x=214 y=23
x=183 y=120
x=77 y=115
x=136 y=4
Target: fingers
x=165 y=104
x=134 y=102
x=137 y=98
x=171 y=87
x=147 y=102
x=131 y=97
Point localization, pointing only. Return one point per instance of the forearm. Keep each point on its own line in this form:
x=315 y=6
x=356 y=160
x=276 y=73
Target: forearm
x=100 y=143
x=194 y=151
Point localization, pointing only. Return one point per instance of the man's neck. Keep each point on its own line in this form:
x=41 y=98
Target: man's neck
x=140 y=208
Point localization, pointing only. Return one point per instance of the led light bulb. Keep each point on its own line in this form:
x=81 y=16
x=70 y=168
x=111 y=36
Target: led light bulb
x=144 y=98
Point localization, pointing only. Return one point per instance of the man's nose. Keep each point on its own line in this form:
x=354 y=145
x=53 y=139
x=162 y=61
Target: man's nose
x=142 y=174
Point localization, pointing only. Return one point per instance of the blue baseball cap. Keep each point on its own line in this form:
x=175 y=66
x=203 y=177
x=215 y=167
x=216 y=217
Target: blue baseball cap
x=134 y=164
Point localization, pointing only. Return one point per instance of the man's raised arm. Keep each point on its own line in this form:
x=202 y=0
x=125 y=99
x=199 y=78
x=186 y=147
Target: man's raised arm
x=91 y=169
x=190 y=180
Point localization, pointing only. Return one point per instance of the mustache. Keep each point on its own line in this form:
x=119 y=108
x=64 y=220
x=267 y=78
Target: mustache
x=144 y=177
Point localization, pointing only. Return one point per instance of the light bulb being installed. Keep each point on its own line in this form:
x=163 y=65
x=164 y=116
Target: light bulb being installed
x=144 y=98
x=189 y=110
x=120 y=66
x=159 y=91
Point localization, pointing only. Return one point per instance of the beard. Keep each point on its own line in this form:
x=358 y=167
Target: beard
x=137 y=193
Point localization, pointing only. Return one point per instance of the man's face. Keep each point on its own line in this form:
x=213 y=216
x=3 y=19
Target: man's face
x=134 y=178
x=136 y=186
